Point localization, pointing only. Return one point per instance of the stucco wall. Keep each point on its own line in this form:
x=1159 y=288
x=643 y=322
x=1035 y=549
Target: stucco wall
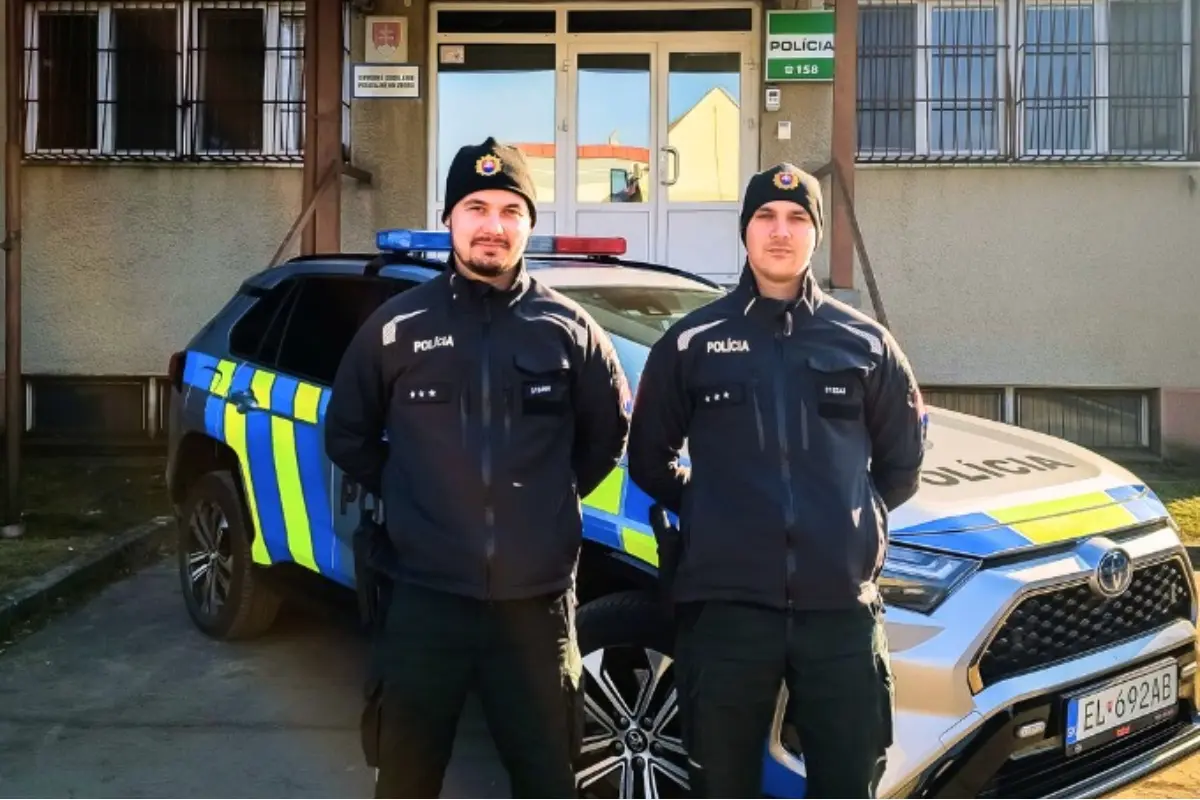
x=389 y=141
x=1042 y=275
x=122 y=263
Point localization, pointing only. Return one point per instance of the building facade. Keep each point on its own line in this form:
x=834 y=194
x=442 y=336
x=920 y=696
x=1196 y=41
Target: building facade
x=1025 y=176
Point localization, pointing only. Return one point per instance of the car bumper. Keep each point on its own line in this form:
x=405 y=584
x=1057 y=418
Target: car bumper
x=951 y=740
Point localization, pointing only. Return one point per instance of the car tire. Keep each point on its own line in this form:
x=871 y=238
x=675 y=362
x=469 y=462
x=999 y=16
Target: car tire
x=631 y=736
x=214 y=537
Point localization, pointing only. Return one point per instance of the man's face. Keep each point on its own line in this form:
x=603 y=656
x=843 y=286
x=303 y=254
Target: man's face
x=489 y=230
x=780 y=240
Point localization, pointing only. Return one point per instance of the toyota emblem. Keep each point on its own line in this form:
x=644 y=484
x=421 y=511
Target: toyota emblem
x=1110 y=567
x=1113 y=574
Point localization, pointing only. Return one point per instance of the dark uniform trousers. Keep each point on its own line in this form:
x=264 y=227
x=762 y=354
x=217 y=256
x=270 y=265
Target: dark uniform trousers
x=731 y=660
x=522 y=658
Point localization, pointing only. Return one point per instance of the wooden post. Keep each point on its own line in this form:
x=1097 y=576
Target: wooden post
x=14 y=388
x=328 y=34
x=844 y=145
x=323 y=123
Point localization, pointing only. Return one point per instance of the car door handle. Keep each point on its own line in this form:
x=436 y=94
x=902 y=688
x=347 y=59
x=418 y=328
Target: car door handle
x=243 y=400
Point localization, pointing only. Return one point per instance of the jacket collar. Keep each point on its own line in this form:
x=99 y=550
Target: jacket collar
x=476 y=292
x=800 y=309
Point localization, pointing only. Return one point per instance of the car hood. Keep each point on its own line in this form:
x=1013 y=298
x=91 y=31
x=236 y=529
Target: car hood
x=989 y=488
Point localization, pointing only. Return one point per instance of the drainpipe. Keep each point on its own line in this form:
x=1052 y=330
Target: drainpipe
x=13 y=383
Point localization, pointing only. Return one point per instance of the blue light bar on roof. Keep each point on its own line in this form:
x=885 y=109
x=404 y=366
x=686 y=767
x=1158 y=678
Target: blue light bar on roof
x=429 y=241
x=402 y=239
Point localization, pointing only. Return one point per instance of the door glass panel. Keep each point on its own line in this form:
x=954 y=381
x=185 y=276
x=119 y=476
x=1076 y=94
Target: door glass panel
x=613 y=128
x=501 y=90
x=704 y=126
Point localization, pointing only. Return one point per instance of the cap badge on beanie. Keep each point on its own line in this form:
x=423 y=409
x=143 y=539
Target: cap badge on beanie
x=488 y=165
x=786 y=180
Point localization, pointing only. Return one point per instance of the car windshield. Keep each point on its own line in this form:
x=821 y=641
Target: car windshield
x=636 y=316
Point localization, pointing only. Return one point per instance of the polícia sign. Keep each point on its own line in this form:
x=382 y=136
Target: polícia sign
x=799 y=45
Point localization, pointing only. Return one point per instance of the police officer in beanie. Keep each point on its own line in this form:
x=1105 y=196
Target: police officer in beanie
x=803 y=423
x=503 y=404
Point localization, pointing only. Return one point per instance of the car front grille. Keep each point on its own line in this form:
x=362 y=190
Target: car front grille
x=1071 y=620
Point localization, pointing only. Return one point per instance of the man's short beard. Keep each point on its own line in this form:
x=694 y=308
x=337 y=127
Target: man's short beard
x=486 y=270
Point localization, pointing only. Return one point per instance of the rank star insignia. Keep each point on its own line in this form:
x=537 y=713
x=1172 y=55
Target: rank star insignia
x=786 y=180
x=488 y=166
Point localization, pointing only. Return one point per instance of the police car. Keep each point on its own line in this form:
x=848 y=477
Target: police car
x=1040 y=606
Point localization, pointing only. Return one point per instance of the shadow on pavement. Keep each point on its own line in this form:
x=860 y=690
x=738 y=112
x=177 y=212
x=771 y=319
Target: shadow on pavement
x=125 y=698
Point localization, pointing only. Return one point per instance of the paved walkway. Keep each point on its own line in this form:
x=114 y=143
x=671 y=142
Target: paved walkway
x=125 y=699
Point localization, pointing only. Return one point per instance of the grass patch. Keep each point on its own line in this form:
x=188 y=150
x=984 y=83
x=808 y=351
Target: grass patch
x=1177 y=485
x=75 y=504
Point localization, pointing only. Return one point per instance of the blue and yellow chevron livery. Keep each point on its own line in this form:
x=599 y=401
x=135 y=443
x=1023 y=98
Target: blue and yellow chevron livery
x=288 y=488
x=615 y=514
x=1075 y=516
x=279 y=446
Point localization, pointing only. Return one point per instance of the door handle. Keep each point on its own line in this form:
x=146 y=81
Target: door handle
x=243 y=400
x=674 y=153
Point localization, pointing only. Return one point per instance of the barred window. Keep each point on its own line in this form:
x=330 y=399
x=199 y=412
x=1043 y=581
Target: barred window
x=203 y=80
x=1024 y=79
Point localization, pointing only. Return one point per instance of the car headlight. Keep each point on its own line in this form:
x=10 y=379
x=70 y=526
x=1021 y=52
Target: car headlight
x=918 y=580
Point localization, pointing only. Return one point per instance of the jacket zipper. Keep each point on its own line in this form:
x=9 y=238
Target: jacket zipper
x=785 y=465
x=508 y=393
x=803 y=424
x=486 y=412
x=463 y=399
x=758 y=419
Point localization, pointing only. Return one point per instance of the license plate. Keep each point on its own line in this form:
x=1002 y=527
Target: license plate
x=1123 y=707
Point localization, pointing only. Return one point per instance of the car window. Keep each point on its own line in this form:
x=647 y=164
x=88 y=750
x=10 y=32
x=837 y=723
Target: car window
x=638 y=313
x=636 y=317
x=327 y=312
x=249 y=337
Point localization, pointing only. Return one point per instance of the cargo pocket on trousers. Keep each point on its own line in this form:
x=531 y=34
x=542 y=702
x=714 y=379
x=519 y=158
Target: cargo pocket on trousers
x=887 y=701
x=371 y=723
x=575 y=717
x=572 y=676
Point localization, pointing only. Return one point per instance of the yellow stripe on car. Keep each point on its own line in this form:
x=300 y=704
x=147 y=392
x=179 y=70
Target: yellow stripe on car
x=291 y=492
x=1065 y=518
x=235 y=437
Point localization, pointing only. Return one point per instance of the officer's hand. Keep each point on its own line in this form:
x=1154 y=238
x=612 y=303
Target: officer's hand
x=667 y=537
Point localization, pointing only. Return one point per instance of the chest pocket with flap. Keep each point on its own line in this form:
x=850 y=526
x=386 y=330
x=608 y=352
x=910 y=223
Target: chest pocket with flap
x=544 y=382
x=839 y=383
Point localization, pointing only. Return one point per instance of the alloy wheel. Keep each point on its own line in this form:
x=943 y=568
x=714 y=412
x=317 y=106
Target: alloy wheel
x=632 y=744
x=210 y=557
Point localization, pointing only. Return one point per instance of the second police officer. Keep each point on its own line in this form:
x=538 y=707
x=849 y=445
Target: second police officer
x=803 y=426
x=504 y=404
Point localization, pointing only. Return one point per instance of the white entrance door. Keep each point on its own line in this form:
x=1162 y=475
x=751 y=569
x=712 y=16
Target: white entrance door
x=659 y=144
x=612 y=138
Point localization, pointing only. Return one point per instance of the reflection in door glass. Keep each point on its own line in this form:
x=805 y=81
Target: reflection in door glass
x=501 y=90
x=704 y=117
x=612 y=131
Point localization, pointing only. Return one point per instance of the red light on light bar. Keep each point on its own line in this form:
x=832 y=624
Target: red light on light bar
x=590 y=245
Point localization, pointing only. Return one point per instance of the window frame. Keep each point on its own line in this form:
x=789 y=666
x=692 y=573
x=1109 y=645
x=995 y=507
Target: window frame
x=1011 y=109
x=188 y=102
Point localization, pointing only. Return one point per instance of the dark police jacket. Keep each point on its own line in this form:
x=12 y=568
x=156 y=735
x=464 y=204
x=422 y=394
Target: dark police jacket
x=502 y=410
x=803 y=428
